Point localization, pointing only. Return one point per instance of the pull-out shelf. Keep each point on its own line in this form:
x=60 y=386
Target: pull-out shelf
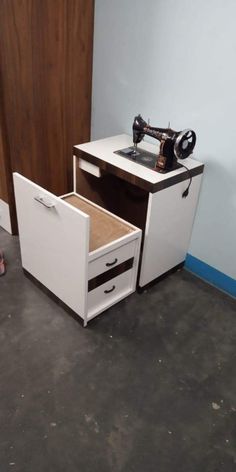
x=85 y=255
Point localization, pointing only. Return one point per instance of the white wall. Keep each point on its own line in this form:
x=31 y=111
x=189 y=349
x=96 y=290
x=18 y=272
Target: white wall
x=175 y=60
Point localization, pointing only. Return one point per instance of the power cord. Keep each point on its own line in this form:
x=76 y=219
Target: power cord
x=186 y=191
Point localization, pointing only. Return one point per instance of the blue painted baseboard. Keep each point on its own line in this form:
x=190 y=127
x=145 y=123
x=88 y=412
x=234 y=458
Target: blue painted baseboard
x=211 y=275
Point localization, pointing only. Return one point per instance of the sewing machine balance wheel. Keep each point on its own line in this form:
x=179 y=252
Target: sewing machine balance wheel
x=184 y=143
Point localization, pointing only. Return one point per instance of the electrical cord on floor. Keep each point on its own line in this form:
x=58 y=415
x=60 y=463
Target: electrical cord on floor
x=186 y=191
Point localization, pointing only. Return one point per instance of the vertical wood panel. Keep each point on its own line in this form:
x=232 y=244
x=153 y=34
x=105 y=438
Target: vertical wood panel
x=46 y=50
x=3 y=175
x=6 y=180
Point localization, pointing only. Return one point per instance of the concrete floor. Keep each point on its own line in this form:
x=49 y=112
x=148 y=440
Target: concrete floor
x=149 y=386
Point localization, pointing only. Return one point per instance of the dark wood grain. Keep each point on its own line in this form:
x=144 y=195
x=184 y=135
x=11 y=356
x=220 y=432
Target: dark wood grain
x=3 y=175
x=139 y=182
x=6 y=180
x=114 y=170
x=110 y=274
x=46 y=64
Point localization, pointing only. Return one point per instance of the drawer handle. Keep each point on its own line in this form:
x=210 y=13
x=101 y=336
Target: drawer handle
x=44 y=201
x=109 y=264
x=111 y=290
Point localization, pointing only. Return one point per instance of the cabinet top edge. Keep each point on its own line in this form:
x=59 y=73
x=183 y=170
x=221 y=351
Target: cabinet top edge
x=101 y=153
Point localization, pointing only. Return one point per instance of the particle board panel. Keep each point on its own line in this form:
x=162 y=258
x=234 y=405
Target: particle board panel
x=104 y=228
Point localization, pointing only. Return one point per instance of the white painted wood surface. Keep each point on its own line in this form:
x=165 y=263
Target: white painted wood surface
x=54 y=240
x=54 y=243
x=113 y=258
x=90 y=168
x=5 y=220
x=98 y=301
x=169 y=216
x=168 y=229
x=104 y=149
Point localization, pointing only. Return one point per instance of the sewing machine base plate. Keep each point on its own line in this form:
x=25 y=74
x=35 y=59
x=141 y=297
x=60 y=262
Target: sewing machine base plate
x=144 y=158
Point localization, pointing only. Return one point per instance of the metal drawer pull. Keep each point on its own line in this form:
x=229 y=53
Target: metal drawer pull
x=109 y=264
x=111 y=290
x=44 y=201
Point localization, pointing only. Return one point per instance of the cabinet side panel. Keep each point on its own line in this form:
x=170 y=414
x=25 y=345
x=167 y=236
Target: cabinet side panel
x=54 y=243
x=168 y=229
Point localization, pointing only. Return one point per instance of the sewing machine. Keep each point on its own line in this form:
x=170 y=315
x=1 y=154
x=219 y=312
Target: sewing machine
x=174 y=145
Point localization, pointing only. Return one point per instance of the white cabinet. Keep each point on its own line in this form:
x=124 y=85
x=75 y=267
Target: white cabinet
x=82 y=253
x=168 y=229
x=89 y=257
x=149 y=199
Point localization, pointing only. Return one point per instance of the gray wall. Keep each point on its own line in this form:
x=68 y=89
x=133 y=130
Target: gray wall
x=175 y=60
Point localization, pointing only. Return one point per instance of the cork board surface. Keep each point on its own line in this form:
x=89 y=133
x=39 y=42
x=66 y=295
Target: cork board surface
x=103 y=228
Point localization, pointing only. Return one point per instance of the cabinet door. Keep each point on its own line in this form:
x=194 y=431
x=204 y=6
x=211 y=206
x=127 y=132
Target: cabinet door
x=54 y=241
x=168 y=229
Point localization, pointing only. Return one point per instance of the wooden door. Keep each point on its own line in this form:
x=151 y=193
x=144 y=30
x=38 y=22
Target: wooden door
x=46 y=65
x=3 y=174
x=7 y=207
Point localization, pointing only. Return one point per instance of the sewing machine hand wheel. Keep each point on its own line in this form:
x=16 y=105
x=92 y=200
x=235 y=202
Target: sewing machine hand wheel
x=184 y=143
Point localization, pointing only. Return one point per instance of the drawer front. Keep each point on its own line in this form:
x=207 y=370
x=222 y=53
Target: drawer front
x=111 y=259
x=90 y=168
x=110 y=274
x=109 y=293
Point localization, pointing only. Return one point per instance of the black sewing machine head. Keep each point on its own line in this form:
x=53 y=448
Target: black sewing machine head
x=174 y=145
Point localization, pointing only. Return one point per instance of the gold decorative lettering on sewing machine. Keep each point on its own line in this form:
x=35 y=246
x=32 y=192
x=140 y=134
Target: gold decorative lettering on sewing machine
x=174 y=145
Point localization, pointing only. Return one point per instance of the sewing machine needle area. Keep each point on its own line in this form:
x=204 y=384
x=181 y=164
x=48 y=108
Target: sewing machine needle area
x=144 y=158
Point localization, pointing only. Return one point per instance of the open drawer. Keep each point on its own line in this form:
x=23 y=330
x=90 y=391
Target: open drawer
x=76 y=248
